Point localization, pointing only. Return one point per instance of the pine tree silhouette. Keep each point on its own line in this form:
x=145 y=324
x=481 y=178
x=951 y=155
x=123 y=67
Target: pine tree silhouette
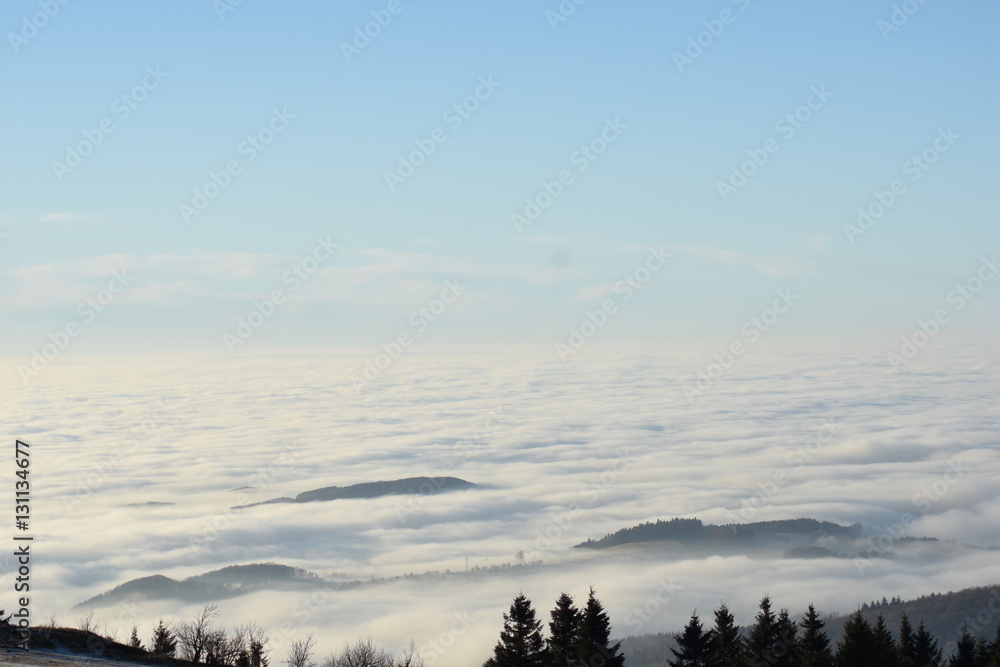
x=134 y=640
x=783 y=651
x=927 y=653
x=857 y=647
x=965 y=656
x=763 y=637
x=727 y=645
x=694 y=644
x=563 y=631
x=164 y=643
x=993 y=659
x=521 y=643
x=594 y=636
x=906 y=648
x=886 y=651
x=813 y=647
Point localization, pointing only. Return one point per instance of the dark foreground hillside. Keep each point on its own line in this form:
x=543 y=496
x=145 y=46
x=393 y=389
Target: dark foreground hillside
x=68 y=646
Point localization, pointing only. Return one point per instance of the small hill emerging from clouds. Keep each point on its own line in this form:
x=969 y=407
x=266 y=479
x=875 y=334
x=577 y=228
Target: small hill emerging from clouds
x=791 y=538
x=692 y=532
x=216 y=585
x=397 y=487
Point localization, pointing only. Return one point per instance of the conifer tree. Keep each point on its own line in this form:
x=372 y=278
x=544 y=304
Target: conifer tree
x=258 y=654
x=563 y=629
x=886 y=651
x=965 y=656
x=134 y=640
x=164 y=643
x=727 y=645
x=763 y=637
x=906 y=649
x=694 y=644
x=857 y=648
x=594 y=635
x=984 y=651
x=813 y=647
x=521 y=643
x=783 y=651
x=994 y=651
x=927 y=653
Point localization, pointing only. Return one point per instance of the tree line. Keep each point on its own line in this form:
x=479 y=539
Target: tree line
x=198 y=640
x=580 y=638
x=775 y=640
x=577 y=636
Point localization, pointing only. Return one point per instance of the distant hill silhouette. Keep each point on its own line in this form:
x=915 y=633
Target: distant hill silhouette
x=791 y=533
x=216 y=585
x=791 y=538
x=408 y=486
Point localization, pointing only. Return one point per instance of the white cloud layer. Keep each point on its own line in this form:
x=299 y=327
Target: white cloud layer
x=613 y=436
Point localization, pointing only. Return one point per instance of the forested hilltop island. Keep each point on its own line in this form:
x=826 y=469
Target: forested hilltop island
x=397 y=487
x=692 y=532
x=959 y=629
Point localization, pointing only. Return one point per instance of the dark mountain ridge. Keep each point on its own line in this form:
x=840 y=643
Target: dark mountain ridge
x=364 y=490
x=694 y=532
x=220 y=584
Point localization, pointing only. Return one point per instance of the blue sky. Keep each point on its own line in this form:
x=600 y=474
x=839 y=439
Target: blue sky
x=655 y=185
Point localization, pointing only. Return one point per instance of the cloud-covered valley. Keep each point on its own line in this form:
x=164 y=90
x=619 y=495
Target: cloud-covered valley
x=562 y=452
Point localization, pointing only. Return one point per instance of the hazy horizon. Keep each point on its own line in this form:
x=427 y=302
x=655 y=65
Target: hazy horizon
x=646 y=257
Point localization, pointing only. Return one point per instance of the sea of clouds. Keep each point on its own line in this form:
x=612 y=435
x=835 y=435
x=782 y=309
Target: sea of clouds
x=564 y=452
